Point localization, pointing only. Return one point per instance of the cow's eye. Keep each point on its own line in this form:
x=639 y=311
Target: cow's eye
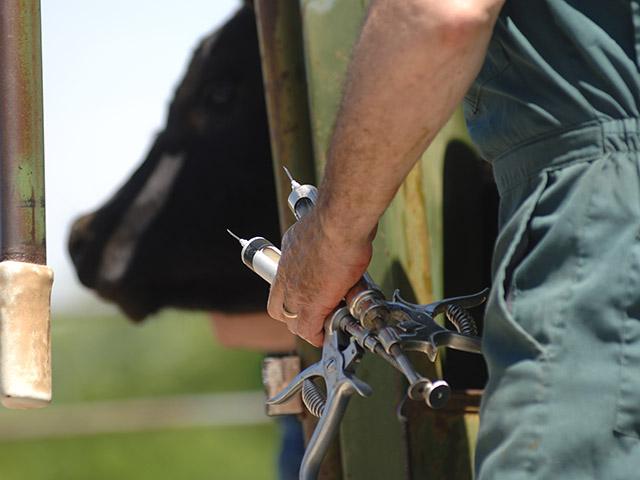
x=219 y=94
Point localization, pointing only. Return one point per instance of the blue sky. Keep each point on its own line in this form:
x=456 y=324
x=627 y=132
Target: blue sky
x=110 y=68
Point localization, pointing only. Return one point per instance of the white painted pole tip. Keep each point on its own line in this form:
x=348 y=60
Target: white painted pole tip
x=25 y=335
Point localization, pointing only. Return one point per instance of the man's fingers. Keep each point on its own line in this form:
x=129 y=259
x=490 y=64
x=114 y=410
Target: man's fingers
x=278 y=309
x=311 y=327
x=292 y=325
x=316 y=340
x=299 y=293
x=313 y=336
x=307 y=326
x=275 y=302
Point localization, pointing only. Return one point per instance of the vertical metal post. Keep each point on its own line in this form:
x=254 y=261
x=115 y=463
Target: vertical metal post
x=25 y=282
x=283 y=71
x=21 y=136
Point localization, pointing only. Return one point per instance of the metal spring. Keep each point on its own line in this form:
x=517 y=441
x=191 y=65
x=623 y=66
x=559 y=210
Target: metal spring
x=313 y=398
x=462 y=320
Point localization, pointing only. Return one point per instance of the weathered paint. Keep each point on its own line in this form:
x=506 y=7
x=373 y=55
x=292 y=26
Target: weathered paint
x=280 y=36
x=443 y=449
x=330 y=28
x=22 y=216
x=283 y=70
x=407 y=255
x=25 y=353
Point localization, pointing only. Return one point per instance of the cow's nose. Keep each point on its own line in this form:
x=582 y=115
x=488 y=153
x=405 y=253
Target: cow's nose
x=79 y=238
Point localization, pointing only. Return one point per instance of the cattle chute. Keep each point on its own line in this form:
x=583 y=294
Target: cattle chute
x=305 y=49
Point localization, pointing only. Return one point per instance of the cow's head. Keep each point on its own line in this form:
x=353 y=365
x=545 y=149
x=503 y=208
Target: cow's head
x=161 y=240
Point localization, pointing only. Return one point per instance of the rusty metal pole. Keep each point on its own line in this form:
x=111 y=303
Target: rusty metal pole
x=283 y=71
x=25 y=281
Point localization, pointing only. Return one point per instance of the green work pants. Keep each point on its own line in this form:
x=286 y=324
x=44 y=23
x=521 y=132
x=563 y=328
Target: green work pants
x=562 y=329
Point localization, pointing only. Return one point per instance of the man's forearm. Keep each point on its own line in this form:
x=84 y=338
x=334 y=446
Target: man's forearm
x=412 y=64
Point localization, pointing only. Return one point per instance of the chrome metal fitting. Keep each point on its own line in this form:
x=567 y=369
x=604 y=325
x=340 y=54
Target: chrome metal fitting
x=388 y=337
x=302 y=192
x=336 y=321
x=435 y=394
x=365 y=337
x=366 y=306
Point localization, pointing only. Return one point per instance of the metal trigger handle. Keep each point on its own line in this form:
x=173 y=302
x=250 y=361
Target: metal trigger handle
x=340 y=355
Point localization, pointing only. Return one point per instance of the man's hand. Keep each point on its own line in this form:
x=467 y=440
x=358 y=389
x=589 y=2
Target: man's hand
x=411 y=66
x=318 y=266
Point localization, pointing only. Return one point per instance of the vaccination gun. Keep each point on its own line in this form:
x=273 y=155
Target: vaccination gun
x=366 y=321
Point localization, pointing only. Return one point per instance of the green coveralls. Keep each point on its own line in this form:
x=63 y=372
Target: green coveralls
x=556 y=110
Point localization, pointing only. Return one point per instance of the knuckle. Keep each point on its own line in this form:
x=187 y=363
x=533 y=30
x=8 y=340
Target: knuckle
x=310 y=331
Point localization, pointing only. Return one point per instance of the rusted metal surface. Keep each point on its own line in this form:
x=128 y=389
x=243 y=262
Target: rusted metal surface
x=283 y=70
x=447 y=451
x=22 y=215
x=25 y=354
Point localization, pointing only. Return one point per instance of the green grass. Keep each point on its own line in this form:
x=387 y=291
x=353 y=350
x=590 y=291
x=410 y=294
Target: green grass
x=107 y=357
x=242 y=453
x=98 y=358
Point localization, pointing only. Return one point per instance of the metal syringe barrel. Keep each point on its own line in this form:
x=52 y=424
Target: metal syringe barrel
x=302 y=199
x=366 y=304
x=261 y=256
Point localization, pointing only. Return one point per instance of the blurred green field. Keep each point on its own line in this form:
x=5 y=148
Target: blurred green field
x=239 y=453
x=108 y=358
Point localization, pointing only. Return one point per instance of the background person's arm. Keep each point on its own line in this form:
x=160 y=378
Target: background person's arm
x=412 y=64
x=251 y=331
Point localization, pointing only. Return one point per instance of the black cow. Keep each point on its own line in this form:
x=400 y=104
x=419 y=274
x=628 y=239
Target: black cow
x=160 y=240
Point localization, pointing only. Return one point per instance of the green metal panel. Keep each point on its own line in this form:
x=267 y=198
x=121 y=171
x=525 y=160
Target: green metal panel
x=407 y=255
x=371 y=438
x=442 y=441
x=330 y=28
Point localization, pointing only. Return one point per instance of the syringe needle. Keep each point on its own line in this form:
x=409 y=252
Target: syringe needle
x=242 y=241
x=294 y=184
x=286 y=170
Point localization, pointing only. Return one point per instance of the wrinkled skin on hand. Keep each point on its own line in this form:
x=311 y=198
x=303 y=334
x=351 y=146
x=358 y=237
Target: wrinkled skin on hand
x=317 y=269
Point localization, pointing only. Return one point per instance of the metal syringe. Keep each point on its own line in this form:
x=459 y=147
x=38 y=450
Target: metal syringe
x=260 y=255
x=365 y=301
